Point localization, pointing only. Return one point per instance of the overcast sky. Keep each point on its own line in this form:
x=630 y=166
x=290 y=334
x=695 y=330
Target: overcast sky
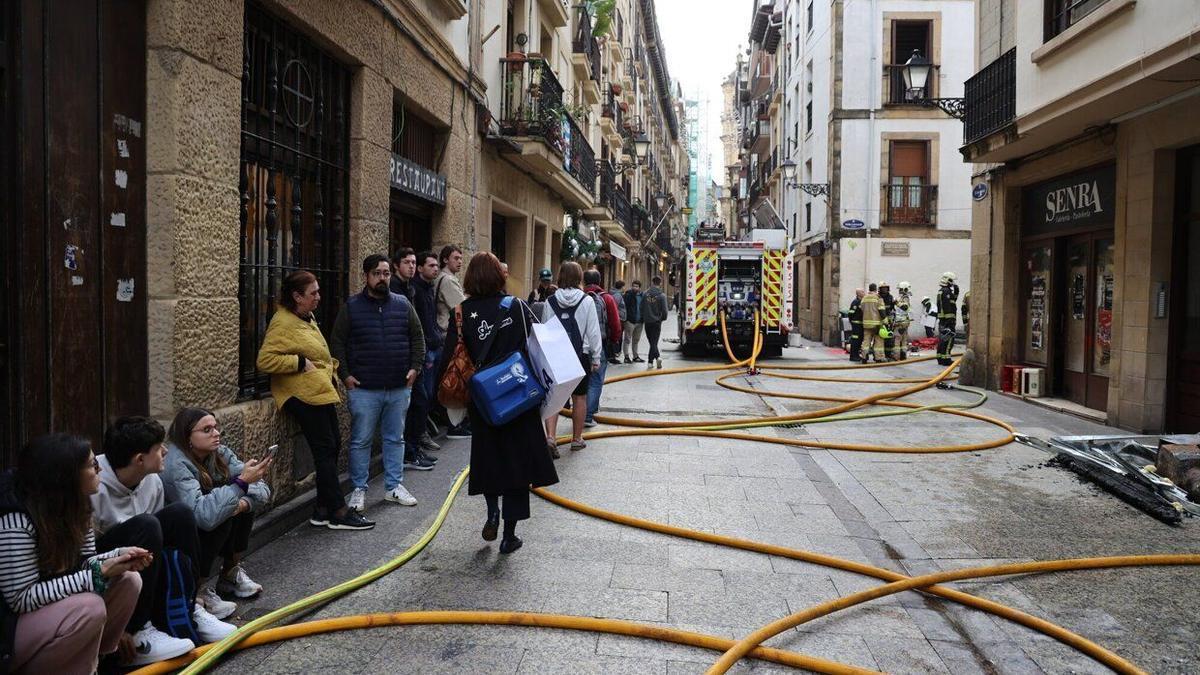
x=701 y=39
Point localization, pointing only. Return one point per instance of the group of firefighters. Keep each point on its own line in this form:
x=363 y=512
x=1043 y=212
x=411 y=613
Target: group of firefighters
x=879 y=321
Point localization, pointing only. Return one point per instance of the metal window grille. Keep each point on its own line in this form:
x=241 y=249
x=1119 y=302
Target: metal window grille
x=293 y=179
x=991 y=97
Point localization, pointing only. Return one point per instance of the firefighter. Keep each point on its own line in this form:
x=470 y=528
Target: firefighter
x=872 y=320
x=947 y=312
x=889 y=306
x=856 y=326
x=927 y=304
x=966 y=312
x=901 y=319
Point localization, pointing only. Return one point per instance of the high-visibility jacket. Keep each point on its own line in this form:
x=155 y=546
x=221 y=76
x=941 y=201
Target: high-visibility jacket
x=856 y=312
x=872 y=311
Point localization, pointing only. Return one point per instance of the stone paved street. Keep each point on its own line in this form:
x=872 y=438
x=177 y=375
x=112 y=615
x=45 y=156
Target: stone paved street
x=910 y=513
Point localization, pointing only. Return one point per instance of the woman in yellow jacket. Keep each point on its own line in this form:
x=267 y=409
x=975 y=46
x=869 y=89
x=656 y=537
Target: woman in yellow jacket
x=303 y=383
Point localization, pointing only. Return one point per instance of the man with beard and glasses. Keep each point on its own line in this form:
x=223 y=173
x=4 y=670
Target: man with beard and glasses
x=380 y=349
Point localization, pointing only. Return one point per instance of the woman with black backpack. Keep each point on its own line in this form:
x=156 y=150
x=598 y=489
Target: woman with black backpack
x=582 y=324
x=506 y=459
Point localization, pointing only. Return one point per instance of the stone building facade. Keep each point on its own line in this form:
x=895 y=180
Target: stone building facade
x=1081 y=123
x=251 y=137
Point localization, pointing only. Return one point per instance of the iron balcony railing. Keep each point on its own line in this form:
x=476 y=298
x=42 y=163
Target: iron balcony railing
x=586 y=43
x=898 y=94
x=579 y=158
x=532 y=100
x=611 y=108
x=991 y=98
x=910 y=204
x=623 y=211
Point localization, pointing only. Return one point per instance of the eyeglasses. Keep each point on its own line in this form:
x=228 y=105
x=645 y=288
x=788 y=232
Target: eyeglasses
x=206 y=430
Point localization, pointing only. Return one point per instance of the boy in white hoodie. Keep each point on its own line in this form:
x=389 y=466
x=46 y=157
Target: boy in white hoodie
x=130 y=510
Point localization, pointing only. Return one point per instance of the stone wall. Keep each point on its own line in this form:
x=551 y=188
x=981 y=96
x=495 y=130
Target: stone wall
x=193 y=136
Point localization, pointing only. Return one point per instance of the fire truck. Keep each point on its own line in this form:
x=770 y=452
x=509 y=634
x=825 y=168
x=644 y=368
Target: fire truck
x=736 y=278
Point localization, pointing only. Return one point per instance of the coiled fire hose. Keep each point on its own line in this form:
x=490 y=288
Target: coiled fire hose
x=250 y=635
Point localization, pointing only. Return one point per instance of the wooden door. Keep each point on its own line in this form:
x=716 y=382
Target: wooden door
x=1183 y=402
x=75 y=107
x=1086 y=303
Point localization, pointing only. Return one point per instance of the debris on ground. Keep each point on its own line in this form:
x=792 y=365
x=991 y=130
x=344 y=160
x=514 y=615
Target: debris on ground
x=1158 y=474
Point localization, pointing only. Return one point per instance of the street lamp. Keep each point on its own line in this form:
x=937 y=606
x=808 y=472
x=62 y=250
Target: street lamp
x=916 y=76
x=789 y=179
x=641 y=147
x=660 y=200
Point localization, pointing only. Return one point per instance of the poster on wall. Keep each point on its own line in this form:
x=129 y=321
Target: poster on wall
x=1077 y=296
x=1037 y=313
x=1104 y=321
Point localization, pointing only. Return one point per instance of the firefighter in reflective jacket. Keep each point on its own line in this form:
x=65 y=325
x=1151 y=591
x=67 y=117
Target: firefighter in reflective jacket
x=889 y=307
x=901 y=319
x=966 y=312
x=947 y=313
x=872 y=321
x=856 y=325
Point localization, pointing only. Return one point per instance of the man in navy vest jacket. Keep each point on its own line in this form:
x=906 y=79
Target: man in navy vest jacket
x=380 y=348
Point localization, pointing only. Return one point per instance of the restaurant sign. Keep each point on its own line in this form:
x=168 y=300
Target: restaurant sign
x=415 y=179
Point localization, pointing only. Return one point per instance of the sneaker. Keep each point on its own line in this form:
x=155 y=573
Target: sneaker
x=357 y=499
x=638 y=359
x=422 y=453
x=589 y=423
x=222 y=609
x=208 y=627
x=418 y=462
x=460 y=430
x=151 y=645
x=614 y=361
x=318 y=519
x=238 y=584
x=426 y=443
x=628 y=360
x=400 y=495
x=353 y=520
x=660 y=364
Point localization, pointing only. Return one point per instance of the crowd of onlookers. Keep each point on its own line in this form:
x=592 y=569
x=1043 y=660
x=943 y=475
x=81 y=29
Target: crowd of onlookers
x=115 y=555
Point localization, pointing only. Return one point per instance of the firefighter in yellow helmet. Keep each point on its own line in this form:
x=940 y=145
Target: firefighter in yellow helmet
x=947 y=313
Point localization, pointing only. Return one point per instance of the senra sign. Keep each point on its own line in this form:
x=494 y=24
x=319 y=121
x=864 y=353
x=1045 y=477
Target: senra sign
x=1075 y=201
x=1067 y=203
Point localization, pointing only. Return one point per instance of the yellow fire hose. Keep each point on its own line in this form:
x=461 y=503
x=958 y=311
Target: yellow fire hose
x=529 y=619
x=250 y=635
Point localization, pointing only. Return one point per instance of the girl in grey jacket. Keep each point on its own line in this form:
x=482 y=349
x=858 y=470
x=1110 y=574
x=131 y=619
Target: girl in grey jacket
x=223 y=493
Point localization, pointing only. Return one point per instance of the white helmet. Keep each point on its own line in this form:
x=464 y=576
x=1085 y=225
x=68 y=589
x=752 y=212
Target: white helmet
x=904 y=285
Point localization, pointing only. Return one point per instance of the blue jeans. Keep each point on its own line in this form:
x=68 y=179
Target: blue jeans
x=595 y=384
x=384 y=409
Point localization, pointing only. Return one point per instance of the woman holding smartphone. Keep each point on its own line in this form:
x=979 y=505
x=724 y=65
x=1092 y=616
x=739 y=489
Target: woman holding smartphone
x=71 y=603
x=222 y=492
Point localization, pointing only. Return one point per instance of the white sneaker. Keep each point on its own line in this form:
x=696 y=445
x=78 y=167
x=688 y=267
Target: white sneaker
x=151 y=645
x=357 y=499
x=400 y=495
x=208 y=627
x=214 y=604
x=238 y=584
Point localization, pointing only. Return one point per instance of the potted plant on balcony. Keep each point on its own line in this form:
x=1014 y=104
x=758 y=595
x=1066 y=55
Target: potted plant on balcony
x=615 y=87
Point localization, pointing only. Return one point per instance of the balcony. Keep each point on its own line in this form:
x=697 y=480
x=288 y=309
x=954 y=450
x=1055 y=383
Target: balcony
x=910 y=204
x=895 y=92
x=555 y=12
x=624 y=213
x=585 y=56
x=612 y=118
x=550 y=143
x=991 y=98
x=760 y=135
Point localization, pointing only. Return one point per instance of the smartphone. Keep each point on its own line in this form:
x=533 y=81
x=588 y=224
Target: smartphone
x=270 y=454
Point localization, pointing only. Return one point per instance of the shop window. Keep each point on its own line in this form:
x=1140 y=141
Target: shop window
x=1062 y=14
x=293 y=179
x=909 y=196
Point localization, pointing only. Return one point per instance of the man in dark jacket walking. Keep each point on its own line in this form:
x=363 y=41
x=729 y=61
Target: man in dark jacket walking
x=380 y=348
x=632 y=335
x=654 y=313
x=416 y=435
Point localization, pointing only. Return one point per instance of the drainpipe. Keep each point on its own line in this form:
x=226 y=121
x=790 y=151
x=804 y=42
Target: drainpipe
x=876 y=34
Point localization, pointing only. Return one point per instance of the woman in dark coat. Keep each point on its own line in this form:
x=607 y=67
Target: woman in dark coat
x=505 y=460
